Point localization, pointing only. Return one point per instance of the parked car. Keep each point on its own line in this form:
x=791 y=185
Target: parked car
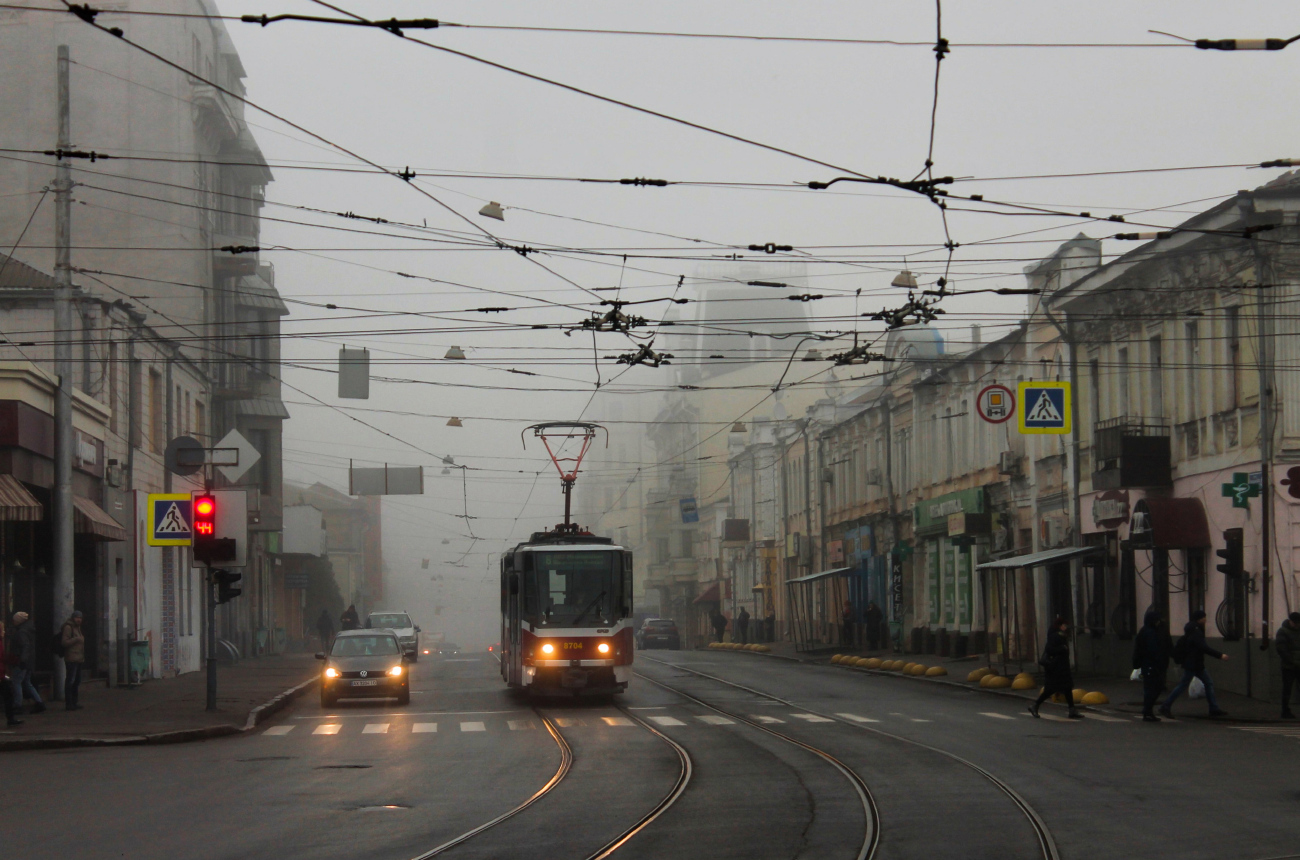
x=364 y=664
x=659 y=633
x=400 y=623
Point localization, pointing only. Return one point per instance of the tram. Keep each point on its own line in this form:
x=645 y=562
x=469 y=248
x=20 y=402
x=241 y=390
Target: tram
x=566 y=598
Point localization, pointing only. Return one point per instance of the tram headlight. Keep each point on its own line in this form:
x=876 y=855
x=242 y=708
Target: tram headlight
x=331 y=672
x=603 y=647
x=548 y=648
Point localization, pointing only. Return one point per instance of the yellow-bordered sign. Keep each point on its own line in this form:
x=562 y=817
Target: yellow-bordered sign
x=1044 y=407
x=171 y=519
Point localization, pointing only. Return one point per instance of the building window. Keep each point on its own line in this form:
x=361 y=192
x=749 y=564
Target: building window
x=156 y=406
x=112 y=386
x=1193 y=346
x=1124 y=403
x=1157 y=377
x=200 y=420
x=1232 y=320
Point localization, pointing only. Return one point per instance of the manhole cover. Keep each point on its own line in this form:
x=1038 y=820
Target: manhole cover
x=343 y=767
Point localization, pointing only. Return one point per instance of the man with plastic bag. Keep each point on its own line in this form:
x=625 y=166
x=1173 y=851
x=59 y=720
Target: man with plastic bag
x=1191 y=651
x=1288 y=654
x=1151 y=662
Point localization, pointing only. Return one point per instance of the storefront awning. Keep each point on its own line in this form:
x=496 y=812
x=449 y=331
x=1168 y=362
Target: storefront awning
x=1170 y=524
x=89 y=518
x=1034 y=559
x=813 y=577
x=710 y=595
x=16 y=503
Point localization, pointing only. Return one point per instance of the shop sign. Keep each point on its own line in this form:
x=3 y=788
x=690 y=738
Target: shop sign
x=932 y=515
x=896 y=588
x=1110 y=509
x=956 y=524
x=86 y=453
x=835 y=551
x=690 y=511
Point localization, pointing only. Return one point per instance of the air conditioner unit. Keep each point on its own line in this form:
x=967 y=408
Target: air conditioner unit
x=113 y=476
x=1009 y=463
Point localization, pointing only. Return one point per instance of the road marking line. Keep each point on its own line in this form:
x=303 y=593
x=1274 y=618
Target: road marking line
x=714 y=720
x=473 y=727
x=995 y=715
x=419 y=728
x=327 y=729
x=857 y=719
x=279 y=730
x=916 y=720
x=617 y=721
x=375 y=729
x=764 y=718
x=813 y=718
x=567 y=722
x=521 y=725
x=1099 y=718
x=666 y=721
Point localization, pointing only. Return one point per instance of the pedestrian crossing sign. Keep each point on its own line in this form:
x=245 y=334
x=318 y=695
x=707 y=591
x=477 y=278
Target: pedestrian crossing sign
x=171 y=519
x=1044 y=407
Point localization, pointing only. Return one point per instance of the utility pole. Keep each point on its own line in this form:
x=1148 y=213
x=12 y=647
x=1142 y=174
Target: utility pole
x=1265 y=313
x=63 y=602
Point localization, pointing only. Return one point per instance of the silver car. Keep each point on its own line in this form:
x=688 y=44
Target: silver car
x=408 y=633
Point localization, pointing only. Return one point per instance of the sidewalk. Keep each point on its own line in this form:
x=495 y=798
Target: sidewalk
x=168 y=710
x=1125 y=695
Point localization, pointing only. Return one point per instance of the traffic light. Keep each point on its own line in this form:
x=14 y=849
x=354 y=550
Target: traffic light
x=209 y=548
x=226 y=580
x=1232 y=554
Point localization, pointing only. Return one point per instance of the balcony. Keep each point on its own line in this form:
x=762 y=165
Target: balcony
x=1131 y=451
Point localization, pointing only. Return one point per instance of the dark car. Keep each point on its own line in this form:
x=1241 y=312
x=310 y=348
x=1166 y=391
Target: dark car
x=364 y=664
x=448 y=649
x=659 y=633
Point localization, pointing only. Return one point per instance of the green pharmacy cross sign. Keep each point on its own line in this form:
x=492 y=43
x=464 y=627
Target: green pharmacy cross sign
x=1241 y=490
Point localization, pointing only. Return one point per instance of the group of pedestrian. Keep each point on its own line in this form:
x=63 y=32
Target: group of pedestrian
x=18 y=664
x=1152 y=649
x=873 y=621
x=740 y=627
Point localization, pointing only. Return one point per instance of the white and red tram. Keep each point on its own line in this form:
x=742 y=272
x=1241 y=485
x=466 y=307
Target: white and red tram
x=566 y=615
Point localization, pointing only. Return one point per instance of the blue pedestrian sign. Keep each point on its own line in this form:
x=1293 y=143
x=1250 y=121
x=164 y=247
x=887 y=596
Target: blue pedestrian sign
x=171 y=519
x=690 y=512
x=1044 y=407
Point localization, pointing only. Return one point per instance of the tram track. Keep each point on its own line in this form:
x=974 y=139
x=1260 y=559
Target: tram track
x=1046 y=842
x=871 y=814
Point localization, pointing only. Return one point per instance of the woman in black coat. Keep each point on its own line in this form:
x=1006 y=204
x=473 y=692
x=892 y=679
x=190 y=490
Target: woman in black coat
x=1056 y=669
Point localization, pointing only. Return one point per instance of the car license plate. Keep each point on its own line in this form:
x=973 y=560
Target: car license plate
x=371 y=683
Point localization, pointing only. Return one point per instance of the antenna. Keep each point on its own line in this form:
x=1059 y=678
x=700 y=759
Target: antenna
x=560 y=432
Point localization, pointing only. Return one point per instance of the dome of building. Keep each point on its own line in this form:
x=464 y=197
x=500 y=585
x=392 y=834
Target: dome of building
x=914 y=341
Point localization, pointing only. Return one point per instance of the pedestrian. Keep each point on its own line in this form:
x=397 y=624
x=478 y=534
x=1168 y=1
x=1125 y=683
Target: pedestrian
x=1056 y=669
x=1194 y=649
x=769 y=624
x=350 y=620
x=325 y=629
x=11 y=719
x=742 y=626
x=848 y=618
x=719 y=623
x=1288 y=654
x=23 y=642
x=1151 y=658
x=875 y=623
x=74 y=658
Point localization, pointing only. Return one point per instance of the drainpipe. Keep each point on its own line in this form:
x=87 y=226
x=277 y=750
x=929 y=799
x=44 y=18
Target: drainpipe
x=1265 y=312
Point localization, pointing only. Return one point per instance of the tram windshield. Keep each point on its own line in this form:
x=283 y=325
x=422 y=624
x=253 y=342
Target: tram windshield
x=574 y=588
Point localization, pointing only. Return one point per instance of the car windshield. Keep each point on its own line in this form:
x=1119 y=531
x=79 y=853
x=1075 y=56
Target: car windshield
x=391 y=620
x=662 y=625
x=364 y=646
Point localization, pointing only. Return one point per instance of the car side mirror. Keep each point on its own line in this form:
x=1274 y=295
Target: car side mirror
x=417 y=628
x=320 y=655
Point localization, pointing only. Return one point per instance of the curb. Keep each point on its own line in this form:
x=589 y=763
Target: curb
x=180 y=736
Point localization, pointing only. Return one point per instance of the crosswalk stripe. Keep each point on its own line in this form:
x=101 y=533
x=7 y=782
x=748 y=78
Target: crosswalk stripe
x=279 y=730
x=813 y=718
x=473 y=727
x=995 y=716
x=617 y=721
x=520 y=725
x=375 y=729
x=1104 y=719
x=327 y=729
x=765 y=718
x=857 y=719
x=667 y=721
x=567 y=722
x=419 y=728
x=714 y=720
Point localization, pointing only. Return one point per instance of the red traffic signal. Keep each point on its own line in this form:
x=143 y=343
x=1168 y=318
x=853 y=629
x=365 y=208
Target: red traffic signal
x=205 y=516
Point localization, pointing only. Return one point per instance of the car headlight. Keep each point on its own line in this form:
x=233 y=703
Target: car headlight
x=548 y=648
x=331 y=672
x=395 y=671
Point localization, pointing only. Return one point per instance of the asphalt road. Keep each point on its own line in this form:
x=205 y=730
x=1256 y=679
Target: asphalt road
x=809 y=761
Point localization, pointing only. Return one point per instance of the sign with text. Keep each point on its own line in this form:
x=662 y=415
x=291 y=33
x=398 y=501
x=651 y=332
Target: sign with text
x=1045 y=407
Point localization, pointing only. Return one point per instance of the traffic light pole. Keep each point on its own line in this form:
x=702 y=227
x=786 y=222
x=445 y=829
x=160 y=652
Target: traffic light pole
x=210 y=584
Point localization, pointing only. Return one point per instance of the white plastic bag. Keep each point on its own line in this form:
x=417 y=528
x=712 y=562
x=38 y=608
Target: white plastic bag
x=1196 y=690
x=1136 y=676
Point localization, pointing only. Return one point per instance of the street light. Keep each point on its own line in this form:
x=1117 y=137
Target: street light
x=454 y=422
x=493 y=210
x=738 y=427
x=455 y=354
x=904 y=279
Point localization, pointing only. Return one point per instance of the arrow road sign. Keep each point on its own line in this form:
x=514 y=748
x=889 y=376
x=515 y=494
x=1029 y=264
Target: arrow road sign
x=1044 y=407
x=171 y=519
x=248 y=456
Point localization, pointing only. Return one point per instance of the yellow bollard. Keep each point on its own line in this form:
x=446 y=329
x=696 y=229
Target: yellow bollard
x=976 y=674
x=998 y=682
x=1096 y=699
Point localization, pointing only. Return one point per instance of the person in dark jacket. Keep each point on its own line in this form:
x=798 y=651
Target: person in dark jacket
x=875 y=622
x=719 y=623
x=73 y=641
x=1057 y=677
x=1288 y=654
x=1194 y=666
x=350 y=620
x=11 y=719
x=325 y=629
x=23 y=642
x=742 y=626
x=769 y=625
x=1151 y=658
x=848 y=620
